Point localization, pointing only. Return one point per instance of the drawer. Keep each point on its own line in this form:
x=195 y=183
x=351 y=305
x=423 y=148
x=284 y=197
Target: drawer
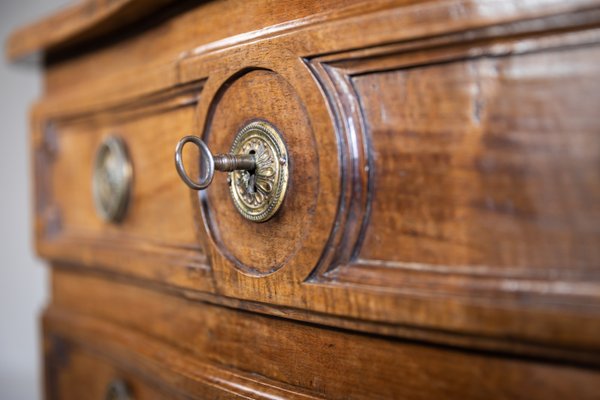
x=155 y=238
x=440 y=187
x=74 y=372
x=207 y=351
x=88 y=354
x=86 y=370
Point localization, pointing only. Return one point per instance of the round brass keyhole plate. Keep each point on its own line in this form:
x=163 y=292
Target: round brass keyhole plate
x=111 y=181
x=118 y=390
x=258 y=194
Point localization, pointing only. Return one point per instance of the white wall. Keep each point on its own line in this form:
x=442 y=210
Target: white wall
x=23 y=278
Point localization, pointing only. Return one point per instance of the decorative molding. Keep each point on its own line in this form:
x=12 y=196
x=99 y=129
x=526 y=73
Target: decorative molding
x=341 y=263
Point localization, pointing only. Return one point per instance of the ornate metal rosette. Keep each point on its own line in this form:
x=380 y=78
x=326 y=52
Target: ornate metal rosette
x=118 y=390
x=111 y=181
x=258 y=194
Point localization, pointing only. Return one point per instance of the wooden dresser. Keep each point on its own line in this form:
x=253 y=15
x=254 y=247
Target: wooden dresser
x=390 y=199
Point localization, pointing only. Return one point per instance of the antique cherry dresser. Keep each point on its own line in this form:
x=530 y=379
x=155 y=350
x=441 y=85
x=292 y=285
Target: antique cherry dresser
x=333 y=199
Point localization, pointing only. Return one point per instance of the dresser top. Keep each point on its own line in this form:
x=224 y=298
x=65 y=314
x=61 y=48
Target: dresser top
x=76 y=24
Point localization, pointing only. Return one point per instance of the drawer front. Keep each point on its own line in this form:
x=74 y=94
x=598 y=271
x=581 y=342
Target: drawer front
x=443 y=179
x=90 y=352
x=73 y=372
x=155 y=238
x=207 y=352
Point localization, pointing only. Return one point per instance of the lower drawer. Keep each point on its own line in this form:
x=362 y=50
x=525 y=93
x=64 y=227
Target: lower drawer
x=75 y=372
x=86 y=370
x=192 y=348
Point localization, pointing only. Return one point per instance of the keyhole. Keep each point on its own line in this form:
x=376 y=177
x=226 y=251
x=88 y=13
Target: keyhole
x=252 y=179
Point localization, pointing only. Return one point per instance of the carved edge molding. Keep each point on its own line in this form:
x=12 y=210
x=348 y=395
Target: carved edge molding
x=356 y=168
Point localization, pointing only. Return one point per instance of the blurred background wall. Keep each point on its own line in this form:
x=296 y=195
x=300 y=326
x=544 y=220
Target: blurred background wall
x=23 y=280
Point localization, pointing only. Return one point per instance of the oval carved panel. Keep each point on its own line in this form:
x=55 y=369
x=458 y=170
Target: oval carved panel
x=262 y=248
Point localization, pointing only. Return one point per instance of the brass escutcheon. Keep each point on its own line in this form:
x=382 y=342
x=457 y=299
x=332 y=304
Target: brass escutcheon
x=258 y=194
x=118 y=390
x=112 y=179
x=258 y=169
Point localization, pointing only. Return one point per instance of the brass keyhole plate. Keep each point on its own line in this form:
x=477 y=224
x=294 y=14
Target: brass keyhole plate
x=118 y=390
x=258 y=194
x=111 y=181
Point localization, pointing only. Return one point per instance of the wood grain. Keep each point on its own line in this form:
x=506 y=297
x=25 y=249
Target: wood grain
x=479 y=169
x=182 y=30
x=261 y=249
x=77 y=23
x=73 y=373
x=464 y=283
x=84 y=364
x=114 y=319
x=442 y=220
x=151 y=242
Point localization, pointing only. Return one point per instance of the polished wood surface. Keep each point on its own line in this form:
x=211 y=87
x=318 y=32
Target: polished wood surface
x=205 y=351
x=82 y=21
x=157 y=242
x=442 y=218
